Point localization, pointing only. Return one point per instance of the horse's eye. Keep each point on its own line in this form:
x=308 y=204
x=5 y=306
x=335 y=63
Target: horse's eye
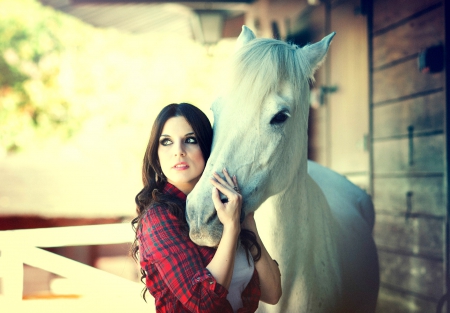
x=279 y=118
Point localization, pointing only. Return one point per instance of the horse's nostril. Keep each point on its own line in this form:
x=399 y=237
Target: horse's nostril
x=211 y=218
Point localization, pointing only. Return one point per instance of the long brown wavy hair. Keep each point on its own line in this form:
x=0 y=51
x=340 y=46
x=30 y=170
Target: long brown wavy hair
x=154 y=180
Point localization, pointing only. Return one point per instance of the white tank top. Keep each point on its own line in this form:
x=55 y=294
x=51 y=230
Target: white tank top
x=242 y=273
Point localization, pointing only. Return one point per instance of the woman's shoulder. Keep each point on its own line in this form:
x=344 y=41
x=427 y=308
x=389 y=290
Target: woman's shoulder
x=161 y=233
x=156 y=221
x=159 y=215
x=156 y=212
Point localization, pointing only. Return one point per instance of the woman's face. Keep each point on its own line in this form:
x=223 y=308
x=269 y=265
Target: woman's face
x=179 y=154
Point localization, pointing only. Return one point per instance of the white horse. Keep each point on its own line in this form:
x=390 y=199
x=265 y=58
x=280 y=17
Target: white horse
x=317 y=225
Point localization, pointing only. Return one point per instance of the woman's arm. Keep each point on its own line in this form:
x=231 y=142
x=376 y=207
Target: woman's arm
x=222 y=264
x=172 y=260
x=268 y=271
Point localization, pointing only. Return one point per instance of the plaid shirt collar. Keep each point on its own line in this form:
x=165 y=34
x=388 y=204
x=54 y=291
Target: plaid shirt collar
x=174 y=191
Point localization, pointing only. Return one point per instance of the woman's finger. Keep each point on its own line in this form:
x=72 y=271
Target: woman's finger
x=222 y=181
x=227 y=191
x=216 y=198
x=235 y=182
x=228 y=178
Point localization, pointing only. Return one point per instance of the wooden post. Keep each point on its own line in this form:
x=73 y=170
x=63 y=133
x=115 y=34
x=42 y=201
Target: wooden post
x=11 y=273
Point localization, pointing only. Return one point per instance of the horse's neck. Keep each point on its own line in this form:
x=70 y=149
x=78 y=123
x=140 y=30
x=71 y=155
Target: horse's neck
x=298 y=228
x=304 y=211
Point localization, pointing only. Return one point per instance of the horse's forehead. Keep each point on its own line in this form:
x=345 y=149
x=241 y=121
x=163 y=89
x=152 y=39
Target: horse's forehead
x=285 y=91
x=286 y=88
x=282 y=93
x=280 y=97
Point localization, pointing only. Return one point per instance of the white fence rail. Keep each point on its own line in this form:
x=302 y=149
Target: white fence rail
x=18 y=247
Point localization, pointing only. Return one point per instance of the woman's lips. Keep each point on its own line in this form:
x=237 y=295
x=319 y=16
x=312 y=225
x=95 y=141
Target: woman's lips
x=181 y=166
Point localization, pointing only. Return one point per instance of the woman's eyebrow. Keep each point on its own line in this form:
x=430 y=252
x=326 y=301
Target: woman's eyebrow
x=188 y=134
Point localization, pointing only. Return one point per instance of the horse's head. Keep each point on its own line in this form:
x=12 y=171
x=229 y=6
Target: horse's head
x=260 y=127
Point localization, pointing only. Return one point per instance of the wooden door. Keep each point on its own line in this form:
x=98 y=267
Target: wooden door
x=339 y=126
x=349 y=105
x=408 y=144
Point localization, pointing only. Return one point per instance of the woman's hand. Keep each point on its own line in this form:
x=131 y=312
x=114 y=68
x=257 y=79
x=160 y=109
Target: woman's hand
x=228 y=213
x=222 y=264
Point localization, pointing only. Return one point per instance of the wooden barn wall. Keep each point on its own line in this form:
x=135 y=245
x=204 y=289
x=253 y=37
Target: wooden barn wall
x=404 y=110
x=338 y=127
x=408 y=153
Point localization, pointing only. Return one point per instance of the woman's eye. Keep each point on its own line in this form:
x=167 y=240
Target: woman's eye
x=165 y=142
x=279 y=118
x=191 y=140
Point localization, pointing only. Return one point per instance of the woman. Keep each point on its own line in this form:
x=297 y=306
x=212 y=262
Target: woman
x=181 y=276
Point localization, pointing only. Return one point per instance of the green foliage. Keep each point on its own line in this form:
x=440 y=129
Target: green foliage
x=31 y=43
x=62 y=79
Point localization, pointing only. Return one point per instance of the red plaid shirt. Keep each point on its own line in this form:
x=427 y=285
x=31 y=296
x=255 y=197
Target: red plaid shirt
x=176 y=267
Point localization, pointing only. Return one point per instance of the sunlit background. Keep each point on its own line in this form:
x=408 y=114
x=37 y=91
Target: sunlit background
x=81 y=82
x=76 y=106
x=78 y=103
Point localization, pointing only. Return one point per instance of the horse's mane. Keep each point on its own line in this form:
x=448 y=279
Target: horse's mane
x=261 y=65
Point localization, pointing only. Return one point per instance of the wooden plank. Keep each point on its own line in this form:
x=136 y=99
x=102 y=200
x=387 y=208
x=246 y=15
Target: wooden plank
x=409 y=38
x=390 y=195
x=70 y=235
x=425 y=154
x=421 y=236
x=392 y=301
x=388 y=12
x=403 y=80
x=424 y=113
x=418 y=275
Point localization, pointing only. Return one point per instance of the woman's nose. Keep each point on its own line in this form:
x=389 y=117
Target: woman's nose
x=180 y=150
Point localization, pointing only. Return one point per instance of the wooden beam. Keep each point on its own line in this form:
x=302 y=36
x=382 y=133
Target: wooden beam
x=75 y=2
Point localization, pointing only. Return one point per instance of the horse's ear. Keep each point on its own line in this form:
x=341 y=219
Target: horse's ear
x=317 y=52
x=245 y=36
